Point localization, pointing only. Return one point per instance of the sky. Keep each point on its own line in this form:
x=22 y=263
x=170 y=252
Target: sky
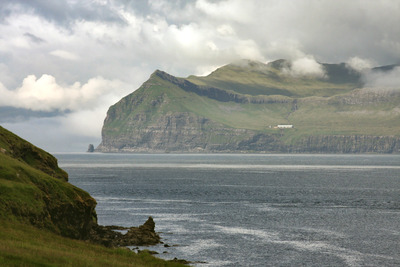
x=64 y=63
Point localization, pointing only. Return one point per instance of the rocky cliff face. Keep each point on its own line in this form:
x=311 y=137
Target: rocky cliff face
x=348 y=144
x=176 y=132
x=170 y=114
x=184 y=132
x=34 y=190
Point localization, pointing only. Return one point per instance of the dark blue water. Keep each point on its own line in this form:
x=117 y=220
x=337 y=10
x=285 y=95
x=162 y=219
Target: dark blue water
x=252 y=210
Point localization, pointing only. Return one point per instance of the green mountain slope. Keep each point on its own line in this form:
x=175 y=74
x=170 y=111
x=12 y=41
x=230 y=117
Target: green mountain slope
x=33 y=190
x=236 y=108
x=256 y=78
x=42 y=216
x=23 y=151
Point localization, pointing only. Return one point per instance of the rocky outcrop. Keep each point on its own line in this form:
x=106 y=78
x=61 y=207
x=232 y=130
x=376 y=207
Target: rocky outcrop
x=110 y=236
x=90 y=148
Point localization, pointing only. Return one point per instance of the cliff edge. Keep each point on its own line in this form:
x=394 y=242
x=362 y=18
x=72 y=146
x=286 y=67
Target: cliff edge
x=241 y=107
x=35 y=191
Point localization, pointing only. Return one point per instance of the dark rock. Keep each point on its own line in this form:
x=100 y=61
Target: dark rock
x=149 y=225
x=90 y=148
x=143 y=235
x=152 y=252
x=180 y=261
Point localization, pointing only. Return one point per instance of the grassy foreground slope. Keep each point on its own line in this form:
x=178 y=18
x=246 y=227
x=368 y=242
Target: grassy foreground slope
x=42 y=216
x=34 y=190
x=25 y=245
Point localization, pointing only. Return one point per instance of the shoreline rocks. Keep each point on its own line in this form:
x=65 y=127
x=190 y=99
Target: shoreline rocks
x=143 y=235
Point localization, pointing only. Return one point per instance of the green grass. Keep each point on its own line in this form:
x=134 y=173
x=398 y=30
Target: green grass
x=38 y=212
x=324 y=106
x=31 y=196
x=22 y=150
x=25 y=245
x=255 y=78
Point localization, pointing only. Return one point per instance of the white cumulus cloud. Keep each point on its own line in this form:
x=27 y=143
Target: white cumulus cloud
x=45 y=94
x=359 y=64
x=306 y=67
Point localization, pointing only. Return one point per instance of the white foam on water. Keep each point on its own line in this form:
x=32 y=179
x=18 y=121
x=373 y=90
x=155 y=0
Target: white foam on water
x=177 y=217
x=140 y=200
x=215 y=263
x=349 y=256
x=198 y=246
x=323 y=232
x=270 y=236
x=115 y=199
x=175 y=229
x=263 y=207
x=124 y=209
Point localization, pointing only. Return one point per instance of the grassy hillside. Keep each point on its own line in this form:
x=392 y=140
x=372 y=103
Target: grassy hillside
x=14 y=146
x=33 y=190
x=25 y=245
x=256 y=78
x=374 y=113
x=240 y=101
x=40 y=212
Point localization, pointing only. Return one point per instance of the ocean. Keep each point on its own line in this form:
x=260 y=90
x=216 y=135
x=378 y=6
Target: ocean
x=252 y=209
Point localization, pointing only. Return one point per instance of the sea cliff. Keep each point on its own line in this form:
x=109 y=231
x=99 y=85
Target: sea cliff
x=236 y=109
x=35 y=191
x=46 y=221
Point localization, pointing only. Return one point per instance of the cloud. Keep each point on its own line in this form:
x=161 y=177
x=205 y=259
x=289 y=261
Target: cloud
x=306 y=67
x=64 y=55
x=72 y=114
x=181 y=36
x=230 y=10
x=45 y=94
x=359 y=64
x=34 y=38
x=383 y=80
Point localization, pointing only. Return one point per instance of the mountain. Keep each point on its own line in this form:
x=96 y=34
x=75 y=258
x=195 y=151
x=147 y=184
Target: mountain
x=238 y=107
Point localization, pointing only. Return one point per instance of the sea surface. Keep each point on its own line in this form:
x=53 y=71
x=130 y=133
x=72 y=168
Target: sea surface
x=252 y=210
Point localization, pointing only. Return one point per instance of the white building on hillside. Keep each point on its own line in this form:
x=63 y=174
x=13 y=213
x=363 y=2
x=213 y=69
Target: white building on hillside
x=285 y=126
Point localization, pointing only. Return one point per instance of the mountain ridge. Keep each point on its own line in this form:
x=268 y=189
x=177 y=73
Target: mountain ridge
x=214 y=114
